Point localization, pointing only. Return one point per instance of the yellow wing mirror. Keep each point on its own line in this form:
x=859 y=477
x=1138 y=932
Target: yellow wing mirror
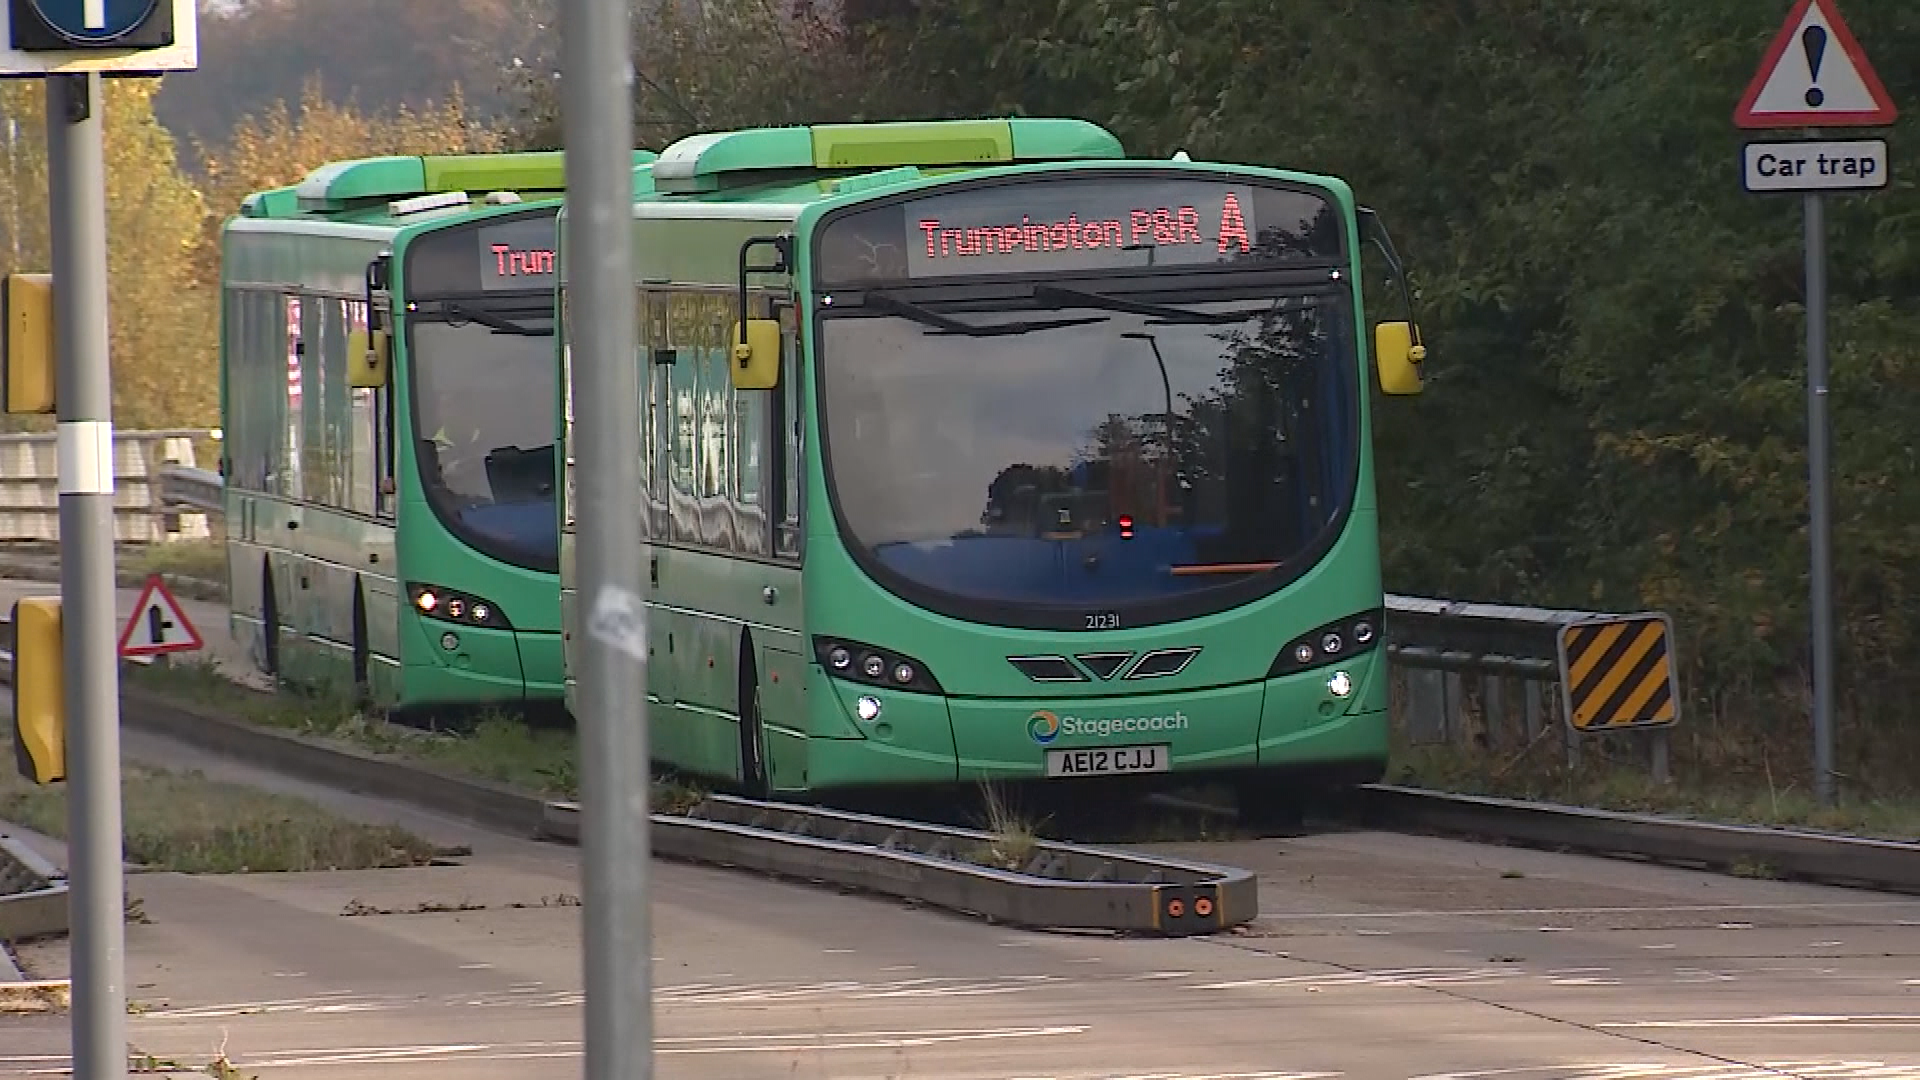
x=39 y=691
x=1398 y=357
x=371 y=352
x=26 y=343
x=756 y=355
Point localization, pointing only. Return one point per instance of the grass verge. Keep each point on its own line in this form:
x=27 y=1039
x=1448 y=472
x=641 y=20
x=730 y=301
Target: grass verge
x=202 y=560
x=1611 y=785
x=190 y=824
x=499 y=747
x=503 y=749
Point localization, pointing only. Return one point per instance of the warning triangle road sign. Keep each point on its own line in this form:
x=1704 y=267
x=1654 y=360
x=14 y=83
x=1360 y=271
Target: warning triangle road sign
x=158 y=624
x=1815 y=75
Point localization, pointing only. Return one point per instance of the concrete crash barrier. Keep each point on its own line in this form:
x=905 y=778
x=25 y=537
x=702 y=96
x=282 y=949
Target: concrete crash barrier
x=33 y=894
x=1056 y=886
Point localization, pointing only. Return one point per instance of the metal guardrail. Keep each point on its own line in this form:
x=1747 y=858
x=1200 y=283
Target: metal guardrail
x=1450 y=635
x=1434 y=645
x=185 y=487
x=33 y=894
x=1057 y=886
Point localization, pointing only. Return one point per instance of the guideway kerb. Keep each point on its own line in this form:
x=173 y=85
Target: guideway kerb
x=1063 y=886
x=1060 y=887
x=1795 y=854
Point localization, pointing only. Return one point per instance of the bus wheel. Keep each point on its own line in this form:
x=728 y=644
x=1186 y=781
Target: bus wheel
x=753 y=743
x=362 y=688
x=269 y=623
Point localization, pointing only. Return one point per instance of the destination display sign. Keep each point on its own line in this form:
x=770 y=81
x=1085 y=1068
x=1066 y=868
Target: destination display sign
x=1069 y=223
x=518 y=254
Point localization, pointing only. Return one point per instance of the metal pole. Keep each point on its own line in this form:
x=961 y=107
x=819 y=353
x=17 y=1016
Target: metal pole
x=611 y=676
x=1820 y=519
x=77 y=197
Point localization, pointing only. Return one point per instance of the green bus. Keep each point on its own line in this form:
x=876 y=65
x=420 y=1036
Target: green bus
x=1028 y=460
x=391 y=520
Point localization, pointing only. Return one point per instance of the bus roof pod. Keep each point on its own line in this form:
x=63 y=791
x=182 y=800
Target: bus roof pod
x=713 y=161
x=348 y=185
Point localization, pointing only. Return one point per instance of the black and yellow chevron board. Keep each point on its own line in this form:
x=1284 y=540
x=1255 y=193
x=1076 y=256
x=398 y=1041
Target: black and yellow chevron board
x=1618 y=671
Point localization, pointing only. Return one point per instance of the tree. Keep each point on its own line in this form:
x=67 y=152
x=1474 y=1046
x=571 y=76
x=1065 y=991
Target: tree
x=1616 y=395
x=376 y=52
x=1615 y=406
x=281 y=145
x=728 y=64
x=160 y=315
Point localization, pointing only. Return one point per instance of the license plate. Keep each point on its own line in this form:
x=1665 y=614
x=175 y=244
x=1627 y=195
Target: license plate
x=1109 y=760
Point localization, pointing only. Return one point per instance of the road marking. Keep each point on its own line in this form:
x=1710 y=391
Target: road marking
x=1879 y=1020
x=797 y=1042
x=1392 y=977
x=1660 y=909
x=1766 y=1070
x=1304 y=973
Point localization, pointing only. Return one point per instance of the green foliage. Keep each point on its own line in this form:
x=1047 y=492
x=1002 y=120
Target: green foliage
x=737 y=63
x=1615 y=416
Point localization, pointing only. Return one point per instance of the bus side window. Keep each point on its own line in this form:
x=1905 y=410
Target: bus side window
x=792 y=423
x=386 y=488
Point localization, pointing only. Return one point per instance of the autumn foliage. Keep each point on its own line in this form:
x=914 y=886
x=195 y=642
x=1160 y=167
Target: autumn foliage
x=165 y=211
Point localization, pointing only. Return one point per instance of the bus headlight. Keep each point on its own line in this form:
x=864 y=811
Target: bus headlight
x=868 y=708
x=1328 y=644
x=450 y=605
x=1340 y=684
x=874 y=666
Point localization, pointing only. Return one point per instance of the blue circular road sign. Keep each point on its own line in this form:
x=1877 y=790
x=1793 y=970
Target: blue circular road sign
x=94 y=22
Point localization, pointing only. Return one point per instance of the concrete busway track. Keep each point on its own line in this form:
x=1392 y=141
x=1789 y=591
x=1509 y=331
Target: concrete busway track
x=1374 y=955
x=1790 y=853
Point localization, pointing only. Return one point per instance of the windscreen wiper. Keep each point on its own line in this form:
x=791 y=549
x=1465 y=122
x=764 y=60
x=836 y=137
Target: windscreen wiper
x=888 y=302
x=1053 y=293
x=495 y=322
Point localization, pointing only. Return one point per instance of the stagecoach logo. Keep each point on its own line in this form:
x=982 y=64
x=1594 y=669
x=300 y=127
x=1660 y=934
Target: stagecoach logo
x=1044 y=727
